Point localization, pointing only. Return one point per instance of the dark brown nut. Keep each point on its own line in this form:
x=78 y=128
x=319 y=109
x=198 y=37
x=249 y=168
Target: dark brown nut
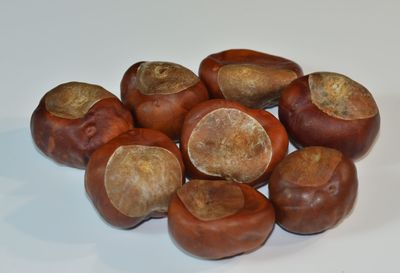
x=313 y=189
x=330 y=109
x=223 y=139
x=74 y=119
x=252 y=78
x=160 y=94
x=215 y=219
x=131 y=178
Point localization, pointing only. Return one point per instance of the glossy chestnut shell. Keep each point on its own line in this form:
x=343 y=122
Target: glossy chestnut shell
x=216 y=219
x=330 y=109
x=313 y=189
x=160 y=94
x=74 y=119
x=132 y=177
x=223 y=139
x=254 y=79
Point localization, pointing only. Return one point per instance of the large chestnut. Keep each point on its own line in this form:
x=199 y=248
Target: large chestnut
x=160 y=94
x=223 y=139
x=332 y=110
x=313 y=189
x=132 y=177
x=216 y=219
x=252 y=78
x=74 y=119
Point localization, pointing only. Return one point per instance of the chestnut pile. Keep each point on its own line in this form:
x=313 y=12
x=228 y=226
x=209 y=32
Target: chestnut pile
x=229 y=145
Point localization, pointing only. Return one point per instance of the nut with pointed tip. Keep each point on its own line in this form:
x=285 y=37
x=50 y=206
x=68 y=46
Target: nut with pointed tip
x=252 y=78
x=214 y=219
x=330 y=109
x=313 y=189
x=132 y=177
x=160 y=94
x=74 y=119
x=224 y=140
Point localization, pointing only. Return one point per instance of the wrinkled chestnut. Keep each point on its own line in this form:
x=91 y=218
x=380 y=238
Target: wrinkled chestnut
x=132 y=177
x=223 y=139
x=75 y=118
x=252 y=78
x=313 y=189
x=215 y=219
x=330 y=109
x=160 y=94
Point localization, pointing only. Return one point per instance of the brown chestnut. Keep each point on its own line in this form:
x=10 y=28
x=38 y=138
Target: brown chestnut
x=252 y=78
x=132 y=177
x=223 y=139
x=74 y=119
x=216 y=219
x=160 y=94
x=332 y=110
x=313 y=189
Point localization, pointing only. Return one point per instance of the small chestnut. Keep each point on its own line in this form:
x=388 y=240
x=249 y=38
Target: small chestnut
x=75 y=118
x=332 y=110
x=159 y=94
x=132 y=177
x=215 y=219
x=223 y=139
x=252 y=78
x=313 y=189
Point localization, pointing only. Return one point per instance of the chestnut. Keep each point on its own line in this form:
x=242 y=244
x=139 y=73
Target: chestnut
x=224 y=139
x=132 y=177
x=75 y=118
x=313 y=189
x=252 y=78
x=215 y=219
x=160 y=94
x=330 y=109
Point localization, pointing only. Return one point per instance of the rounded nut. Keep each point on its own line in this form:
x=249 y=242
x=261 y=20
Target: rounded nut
x=74 y=119
x=215 y=219
x=223 y=139
x=313 y=189
x=132 y=177
x=160 y=94
x=332 y=110
x=252 y=78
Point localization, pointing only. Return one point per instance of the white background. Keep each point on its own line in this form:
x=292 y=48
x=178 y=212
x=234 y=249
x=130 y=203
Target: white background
x=47 y=223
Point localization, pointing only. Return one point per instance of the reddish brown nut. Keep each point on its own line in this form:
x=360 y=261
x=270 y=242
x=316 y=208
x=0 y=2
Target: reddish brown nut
x=313 y=189
x=160 y=94
x=223 y=139
x=132 y=177
x=75 y=118
x=252 y=78
x=330 y=109
x=214 y=219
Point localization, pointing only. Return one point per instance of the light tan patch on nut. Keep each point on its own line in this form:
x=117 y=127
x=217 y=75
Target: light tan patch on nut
x=231 y=144
x=253 y=85
x=74 y=99
x=311 y=166
x=141 y=179
x=341 y=97
x=162 y=78
x=209 y=200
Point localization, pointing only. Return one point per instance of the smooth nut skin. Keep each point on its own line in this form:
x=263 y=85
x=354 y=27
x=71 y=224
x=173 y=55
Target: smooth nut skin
x=95 y=174
x=319 y=205
x=72 y=141
x=244 y=231
x=274 y=129
x=307 y=125
x=273 y=66
x=163 y=112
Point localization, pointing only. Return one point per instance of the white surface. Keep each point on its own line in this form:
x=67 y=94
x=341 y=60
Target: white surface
x=47 y=223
